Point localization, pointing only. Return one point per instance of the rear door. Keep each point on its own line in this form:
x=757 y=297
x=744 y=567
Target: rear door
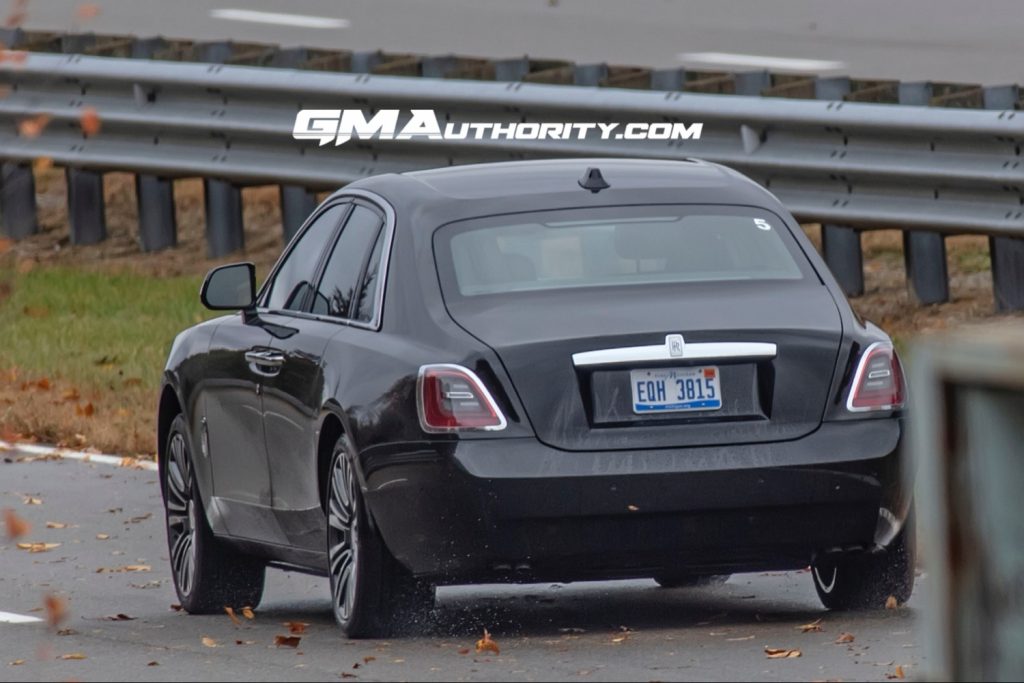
x=341 y=304
x=647 y=327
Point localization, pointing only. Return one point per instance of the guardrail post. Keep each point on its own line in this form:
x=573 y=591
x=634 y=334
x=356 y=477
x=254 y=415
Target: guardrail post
x=1007 y=252
x=223 y=202
x=86 y=208
x=840 y=244
x=223 y=199
x=296 y=204
x=158 y=227
x=924 y=252
x=18 y=201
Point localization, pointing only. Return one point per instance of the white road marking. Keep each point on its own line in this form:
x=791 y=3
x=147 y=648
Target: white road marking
x=732 y=59
x=279 y=18
x=11 y=618
x=68 y=454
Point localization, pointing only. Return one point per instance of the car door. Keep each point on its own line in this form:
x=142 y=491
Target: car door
x=344 y=297
x=242 y=361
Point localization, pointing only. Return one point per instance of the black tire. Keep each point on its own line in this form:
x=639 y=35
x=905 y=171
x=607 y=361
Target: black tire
x=849 y=581
x=209 y=575
x=691 y=580
x=371 y=593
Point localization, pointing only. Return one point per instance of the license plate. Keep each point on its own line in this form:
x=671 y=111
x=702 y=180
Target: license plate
x=673 y=390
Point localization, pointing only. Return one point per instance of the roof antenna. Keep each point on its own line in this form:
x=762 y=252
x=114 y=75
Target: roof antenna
x=593 y=180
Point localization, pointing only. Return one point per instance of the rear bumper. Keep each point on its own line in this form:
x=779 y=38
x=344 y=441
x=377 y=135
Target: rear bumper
x=514 y=509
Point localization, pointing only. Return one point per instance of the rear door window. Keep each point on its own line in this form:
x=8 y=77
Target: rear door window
x=344 y=287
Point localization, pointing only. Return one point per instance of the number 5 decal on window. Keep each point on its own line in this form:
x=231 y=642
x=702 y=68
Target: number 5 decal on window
x=762 y=223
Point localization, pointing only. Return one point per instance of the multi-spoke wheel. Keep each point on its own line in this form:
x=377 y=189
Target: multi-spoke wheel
x=864 y=581
x=370 y=591
x=208 y=574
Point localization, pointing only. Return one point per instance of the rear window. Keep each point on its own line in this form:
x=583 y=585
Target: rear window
x=616 y=246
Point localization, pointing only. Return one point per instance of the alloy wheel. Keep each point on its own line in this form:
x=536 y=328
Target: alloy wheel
x=181 y=514
x=343 y=537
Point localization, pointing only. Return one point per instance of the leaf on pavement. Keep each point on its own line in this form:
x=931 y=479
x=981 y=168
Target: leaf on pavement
x=30 y=500
x=56 y=609
x=287 y=641
x=125 y=569
x=176 y=607
x=38 y=547
x=73 y=655
x=844 y=638
x=209 y=642
x=248 y=613
x=56 y=525
x=487 y=644
x=813 y=626
x=295 y=627
x=897 y=673
x=102 y=537
x=231 y=614
x=17 y=662
x=154 y=663
x=119 y=617
x=891 y=602
x=781 y=653
x=16 y=526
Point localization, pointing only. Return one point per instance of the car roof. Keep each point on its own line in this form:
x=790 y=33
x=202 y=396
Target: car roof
x=455 y=192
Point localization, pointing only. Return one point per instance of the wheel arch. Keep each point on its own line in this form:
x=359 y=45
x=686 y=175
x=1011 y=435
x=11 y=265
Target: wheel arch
x=170 y=407
x=332 y=427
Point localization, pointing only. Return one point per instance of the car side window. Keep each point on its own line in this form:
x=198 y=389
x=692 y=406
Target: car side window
x=292 y=282
x=344 y=285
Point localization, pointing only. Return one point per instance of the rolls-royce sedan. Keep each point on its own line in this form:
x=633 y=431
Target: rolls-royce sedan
x=534 y=371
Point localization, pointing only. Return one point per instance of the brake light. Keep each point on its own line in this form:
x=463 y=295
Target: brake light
x=878 y=383
x=451 y=398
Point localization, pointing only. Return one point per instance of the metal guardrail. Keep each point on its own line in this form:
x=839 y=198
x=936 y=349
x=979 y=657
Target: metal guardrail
x=848 y=165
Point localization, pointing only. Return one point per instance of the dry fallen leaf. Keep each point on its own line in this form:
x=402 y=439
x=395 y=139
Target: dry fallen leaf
x=33 y=126
x=619 y=639
x=87 y=11
x=287 y=641
x=813 y=626
x=781 y=653
x=56 y=525
x=17 y=662
x=897 y=674
x=295 y=627
x=153 y=663
x=16 y=526
x=119 y=617
x=56 y=609
x=176 y=607
x=90 y=121
x=29 y=500
x=736 y=640
x=102 y=537
x=245 y=642
x=890 y=602
x=486 y=644
x=125 y=569
x=209 y=642
x=367 y=660
x=231 y=613
x=73 y=655
x=38 y=547
x=844 y=638
x=248 y=613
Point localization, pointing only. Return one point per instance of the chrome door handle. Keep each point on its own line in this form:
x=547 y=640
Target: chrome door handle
x=266 y=359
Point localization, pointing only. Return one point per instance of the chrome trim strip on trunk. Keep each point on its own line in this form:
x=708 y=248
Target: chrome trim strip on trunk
x=675 y=349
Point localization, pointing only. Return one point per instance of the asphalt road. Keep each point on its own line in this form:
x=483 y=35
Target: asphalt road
x=948 y=40
x=598 y=631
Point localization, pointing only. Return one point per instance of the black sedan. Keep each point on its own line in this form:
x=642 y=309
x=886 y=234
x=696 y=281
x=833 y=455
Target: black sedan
x=534 y=371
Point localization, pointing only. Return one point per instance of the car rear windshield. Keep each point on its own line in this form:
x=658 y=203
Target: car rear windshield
x=615 y=246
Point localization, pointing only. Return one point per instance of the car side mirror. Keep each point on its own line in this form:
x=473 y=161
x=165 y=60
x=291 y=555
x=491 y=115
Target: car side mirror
x=230 y=288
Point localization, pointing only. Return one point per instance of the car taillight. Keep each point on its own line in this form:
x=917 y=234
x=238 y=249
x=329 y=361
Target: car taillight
x=451 y=398
x=878 y=383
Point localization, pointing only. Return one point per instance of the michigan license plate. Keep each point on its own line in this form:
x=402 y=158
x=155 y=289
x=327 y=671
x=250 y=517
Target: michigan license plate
x=673 y=390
